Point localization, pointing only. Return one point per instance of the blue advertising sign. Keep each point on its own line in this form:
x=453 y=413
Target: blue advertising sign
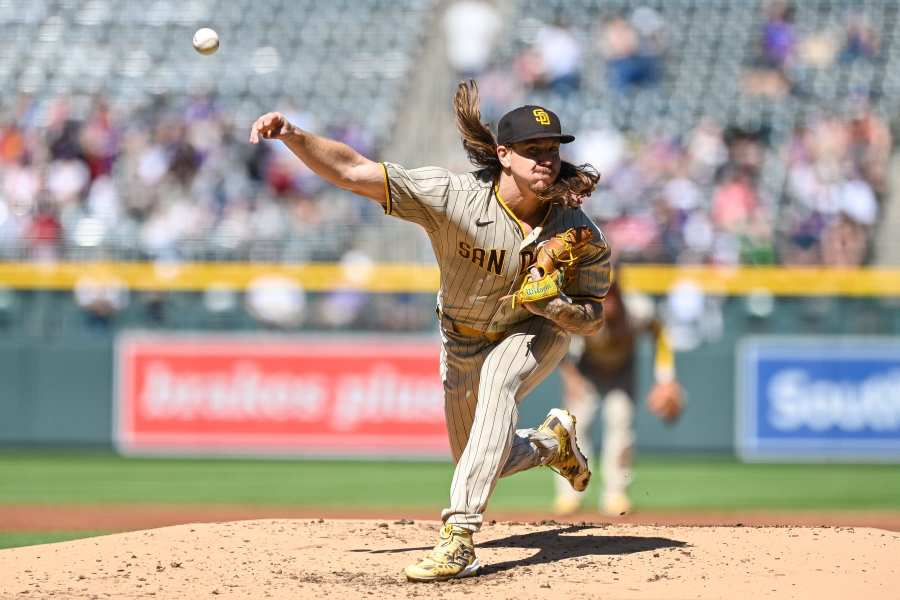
x=818 y=398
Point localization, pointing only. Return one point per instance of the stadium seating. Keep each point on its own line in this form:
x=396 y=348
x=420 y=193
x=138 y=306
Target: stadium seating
x=708 y=48
x=349 y=61
x=336 y=55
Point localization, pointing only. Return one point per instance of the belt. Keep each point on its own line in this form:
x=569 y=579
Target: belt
x=465 y=330
x=491 y=336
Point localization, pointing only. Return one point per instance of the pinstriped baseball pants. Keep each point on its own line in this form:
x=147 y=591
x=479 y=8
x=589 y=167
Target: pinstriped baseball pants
x=483 y=385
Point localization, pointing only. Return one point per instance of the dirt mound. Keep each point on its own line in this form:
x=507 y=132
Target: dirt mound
x=350 y=559
x=129 y=517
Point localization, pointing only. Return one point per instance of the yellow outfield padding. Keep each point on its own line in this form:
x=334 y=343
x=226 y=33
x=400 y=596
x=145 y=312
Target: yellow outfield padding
x=418 y=278
x=200 y=276
x=780 y=281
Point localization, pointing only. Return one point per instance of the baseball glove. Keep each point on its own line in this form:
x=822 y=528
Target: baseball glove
x=547 y=273
x=666 y=401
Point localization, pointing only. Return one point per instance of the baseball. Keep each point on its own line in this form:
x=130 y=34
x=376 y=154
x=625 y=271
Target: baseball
x=206 y=41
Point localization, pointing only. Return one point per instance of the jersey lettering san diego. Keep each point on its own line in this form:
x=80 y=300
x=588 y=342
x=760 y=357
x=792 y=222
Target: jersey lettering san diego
x=495 y=257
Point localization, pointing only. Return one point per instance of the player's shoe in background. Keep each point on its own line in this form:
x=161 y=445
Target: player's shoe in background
x=569 y=460
x=566 y=505
x=615 y=504
x=453 y=557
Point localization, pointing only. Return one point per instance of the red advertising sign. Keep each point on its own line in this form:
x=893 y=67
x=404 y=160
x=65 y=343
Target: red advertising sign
x=216 y=394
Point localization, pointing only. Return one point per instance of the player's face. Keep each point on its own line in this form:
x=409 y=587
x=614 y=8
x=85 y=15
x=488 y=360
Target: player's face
x=535 y=163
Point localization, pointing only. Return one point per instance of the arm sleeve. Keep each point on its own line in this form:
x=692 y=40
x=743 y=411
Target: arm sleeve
x=664 y=357
x=417 y=195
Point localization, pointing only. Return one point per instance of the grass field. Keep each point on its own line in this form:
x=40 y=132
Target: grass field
x=687 y=483
x=16 y=539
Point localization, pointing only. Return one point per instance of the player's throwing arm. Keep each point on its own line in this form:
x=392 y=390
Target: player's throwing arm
x=333 y=161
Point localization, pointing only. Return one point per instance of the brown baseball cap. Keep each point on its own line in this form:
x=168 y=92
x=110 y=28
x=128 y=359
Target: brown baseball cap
x=530 y=122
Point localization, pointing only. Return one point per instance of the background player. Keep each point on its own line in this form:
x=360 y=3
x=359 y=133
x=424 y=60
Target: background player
x=599 y=373
x=486 y=228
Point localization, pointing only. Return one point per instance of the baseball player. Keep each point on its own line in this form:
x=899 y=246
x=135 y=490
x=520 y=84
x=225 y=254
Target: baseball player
x=521 y=267
x=599 y=372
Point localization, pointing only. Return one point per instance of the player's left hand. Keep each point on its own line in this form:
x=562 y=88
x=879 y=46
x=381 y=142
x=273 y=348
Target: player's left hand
x=666 y=401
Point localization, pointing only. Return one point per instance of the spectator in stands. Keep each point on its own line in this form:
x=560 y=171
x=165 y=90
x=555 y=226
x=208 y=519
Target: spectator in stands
x=44 y=233
x=818 y=50
x=845 y=242
x=651 y=29
x=560 y=57
x=860 y=40
x=635 y=234
x=746 y=148
x=670 y=237
x=869 y=146
x=778 y=35
x=757 y=239
x=706 y=151
x=734 y=200
x=12 y=143
x=470 y=29
x=167 y=180
x=101 y=299
x=768 y=76
x=835 y=166
x=799 y=245
x=842 y=238
x=633 y=61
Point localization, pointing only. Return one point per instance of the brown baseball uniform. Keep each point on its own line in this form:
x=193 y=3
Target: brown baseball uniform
x=493 y=353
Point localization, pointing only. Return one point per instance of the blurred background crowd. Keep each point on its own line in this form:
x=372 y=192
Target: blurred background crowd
x=175 y=179
x=718 y=143
x=726 y=132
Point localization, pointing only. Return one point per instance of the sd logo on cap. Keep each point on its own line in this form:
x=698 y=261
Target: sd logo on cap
x=541 y=116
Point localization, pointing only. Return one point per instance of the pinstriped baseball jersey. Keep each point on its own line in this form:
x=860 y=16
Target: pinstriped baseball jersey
x=483 y=251
x=481 y=247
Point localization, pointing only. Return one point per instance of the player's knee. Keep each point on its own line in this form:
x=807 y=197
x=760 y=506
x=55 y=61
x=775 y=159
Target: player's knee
x=583 y=407
x=618 y=411
x=498 y=380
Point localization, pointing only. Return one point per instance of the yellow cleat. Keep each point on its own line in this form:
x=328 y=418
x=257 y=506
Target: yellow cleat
x=569 y=460
x=566 y=505
x=452 y=558
x=616 y=505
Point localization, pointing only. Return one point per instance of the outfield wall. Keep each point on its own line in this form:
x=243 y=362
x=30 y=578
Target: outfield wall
x=56 y=361
x=62 y=393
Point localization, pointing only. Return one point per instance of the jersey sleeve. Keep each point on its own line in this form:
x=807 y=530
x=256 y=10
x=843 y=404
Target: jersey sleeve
x=417 y=195
x=664 y=356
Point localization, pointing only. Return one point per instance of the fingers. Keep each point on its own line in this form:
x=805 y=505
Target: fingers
x=255 y=130
x=266 y=127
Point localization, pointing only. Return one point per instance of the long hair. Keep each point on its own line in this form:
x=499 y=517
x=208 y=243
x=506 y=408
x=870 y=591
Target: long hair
x=574 y=181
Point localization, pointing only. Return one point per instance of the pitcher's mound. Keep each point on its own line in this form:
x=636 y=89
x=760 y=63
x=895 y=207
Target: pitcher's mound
x=345 y=560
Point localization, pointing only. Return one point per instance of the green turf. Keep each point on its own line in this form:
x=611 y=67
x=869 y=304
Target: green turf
x=726 y=484
x=16 y=539
x=660 y=483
